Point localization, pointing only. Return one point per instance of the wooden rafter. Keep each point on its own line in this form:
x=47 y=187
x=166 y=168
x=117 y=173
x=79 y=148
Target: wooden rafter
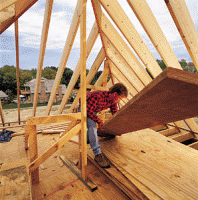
x=45 y=30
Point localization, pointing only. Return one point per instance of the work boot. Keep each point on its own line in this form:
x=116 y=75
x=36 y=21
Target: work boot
x=102 y=160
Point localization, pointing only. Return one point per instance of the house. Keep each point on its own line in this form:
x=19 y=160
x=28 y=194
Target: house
x=44 y=91
x=3 y=97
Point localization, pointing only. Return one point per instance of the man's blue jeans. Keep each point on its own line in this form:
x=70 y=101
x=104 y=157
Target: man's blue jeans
x=92 y=135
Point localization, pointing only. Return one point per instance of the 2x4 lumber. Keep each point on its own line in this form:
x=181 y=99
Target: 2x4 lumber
x=7 y=14
x=169 y=131
x=185 y=25
x=90 y=42
x=6 y=3
x=94 y=68
x=112 y=34
x=20 y=7
x=83 y=58
x=71 y=125
x=33 y=150
x=39 y=160
x=122 y=65
x=65 y=55
x=45 y=30
x=1 y=113
x=124 y=24
x=152 y=28
x=53 y=119
x=17 y=66
x=89 y=184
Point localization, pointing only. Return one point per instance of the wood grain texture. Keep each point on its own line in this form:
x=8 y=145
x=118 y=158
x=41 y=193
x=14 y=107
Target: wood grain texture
x=171 y=96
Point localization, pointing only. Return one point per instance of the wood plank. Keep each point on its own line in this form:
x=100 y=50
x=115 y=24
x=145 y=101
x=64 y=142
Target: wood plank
x=181 y=137
x=20 y=8
x=172 y=96
x=7 y=14
x=160 y=164
x=45 y=30
x=17 y=66
x=185 y=25
x=53 y=119
x=90 y=42
x=1 y=113
x=65 y=55
x=194 y=145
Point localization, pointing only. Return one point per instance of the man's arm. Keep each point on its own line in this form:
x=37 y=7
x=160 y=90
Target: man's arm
x=114 y=108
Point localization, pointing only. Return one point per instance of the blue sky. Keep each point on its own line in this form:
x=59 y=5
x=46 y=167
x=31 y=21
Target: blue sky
x=30 y=28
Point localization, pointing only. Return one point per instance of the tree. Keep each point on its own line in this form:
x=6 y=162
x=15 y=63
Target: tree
x=162 y=64
x=48 y=73
x=67 y=74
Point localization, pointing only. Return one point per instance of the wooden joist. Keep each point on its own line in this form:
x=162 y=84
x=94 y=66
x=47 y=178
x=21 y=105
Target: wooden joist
x=172 y=96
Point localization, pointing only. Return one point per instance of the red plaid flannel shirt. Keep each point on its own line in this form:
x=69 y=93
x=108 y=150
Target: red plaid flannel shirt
x=98 y=101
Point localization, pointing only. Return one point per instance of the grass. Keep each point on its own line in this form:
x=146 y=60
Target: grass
x=27 y=105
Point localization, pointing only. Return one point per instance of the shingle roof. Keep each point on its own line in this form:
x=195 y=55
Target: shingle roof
x=48 y=85
x=2 y=94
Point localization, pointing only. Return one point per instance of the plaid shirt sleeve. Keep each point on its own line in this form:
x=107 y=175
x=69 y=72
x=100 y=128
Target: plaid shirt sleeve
x=91 y=105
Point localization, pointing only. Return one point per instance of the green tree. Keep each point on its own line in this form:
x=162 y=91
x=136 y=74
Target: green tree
x=67 y=74
x=48 y=73
x=162 y=64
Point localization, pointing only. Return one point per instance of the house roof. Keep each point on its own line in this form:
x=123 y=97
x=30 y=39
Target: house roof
x=48 y=86
x=2 y=94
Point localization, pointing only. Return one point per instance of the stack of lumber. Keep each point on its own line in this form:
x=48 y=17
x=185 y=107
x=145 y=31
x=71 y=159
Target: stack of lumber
x=147 y=165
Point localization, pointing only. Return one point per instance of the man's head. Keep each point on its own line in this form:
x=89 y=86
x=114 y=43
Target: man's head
x=117 y=92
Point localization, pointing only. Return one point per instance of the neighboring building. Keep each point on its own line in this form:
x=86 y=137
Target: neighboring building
x=44 y=91
x=3 y=97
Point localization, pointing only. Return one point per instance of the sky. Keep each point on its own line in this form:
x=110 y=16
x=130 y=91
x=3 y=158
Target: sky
x=31 y=23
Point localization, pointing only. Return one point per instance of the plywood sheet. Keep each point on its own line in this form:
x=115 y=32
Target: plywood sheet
x=172 y=96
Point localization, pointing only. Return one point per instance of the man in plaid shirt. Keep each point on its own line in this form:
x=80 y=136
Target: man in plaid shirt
x=96 y=102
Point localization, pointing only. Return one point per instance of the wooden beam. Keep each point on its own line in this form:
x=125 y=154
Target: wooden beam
x=181 y=137
x=7 y=14
x=65 y=55
x=124 y=24
x=21 y=7
x=33 y=150
x=185 y=25
x=152 y=28
x=83 y=58
x=6 y=3
x=122 y=65
x=1 y=113
x=53 y=119
x=194 y=145
x=37 y=161
x=90 y=42
x=112 y=34
x=17 y=66
x=45 y=29
x=94 y=68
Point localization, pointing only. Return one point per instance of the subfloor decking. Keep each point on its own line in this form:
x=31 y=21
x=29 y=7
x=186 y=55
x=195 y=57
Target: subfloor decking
x=56 y=180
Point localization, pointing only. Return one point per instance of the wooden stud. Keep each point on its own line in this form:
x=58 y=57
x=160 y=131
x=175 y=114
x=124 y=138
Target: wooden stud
x=31 y=133
x=39 y=160
x=90 y=42
x=1 y=113
x=17 y=66
x=46 y=23
x=83 y=132
x=65 y=55
x=185 y=25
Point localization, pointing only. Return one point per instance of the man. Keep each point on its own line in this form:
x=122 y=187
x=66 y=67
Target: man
x=96 y=102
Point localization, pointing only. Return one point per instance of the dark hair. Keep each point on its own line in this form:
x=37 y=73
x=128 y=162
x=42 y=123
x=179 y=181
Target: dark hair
x=120 y=89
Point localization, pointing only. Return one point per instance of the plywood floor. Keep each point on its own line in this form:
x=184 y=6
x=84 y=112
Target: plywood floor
x=56 y=180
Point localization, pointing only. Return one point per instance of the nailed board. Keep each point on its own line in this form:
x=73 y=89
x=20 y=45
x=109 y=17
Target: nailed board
x=14 y=184
x=171 y=96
